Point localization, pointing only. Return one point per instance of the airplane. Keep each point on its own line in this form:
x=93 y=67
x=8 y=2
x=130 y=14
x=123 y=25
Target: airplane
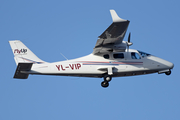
x=111 y=57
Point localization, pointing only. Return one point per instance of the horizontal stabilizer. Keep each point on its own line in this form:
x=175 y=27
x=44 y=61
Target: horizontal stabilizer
x=22 y=67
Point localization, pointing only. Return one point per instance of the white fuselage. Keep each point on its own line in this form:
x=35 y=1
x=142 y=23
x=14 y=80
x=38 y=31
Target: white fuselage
x=113 y=64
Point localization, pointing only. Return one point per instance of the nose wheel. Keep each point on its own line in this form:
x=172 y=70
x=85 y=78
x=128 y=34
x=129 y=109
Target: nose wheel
x=107 y=79
x=168 y=73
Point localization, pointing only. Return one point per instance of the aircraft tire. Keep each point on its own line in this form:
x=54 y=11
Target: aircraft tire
x=168 y=73
x=107 y=78
x=104 y=84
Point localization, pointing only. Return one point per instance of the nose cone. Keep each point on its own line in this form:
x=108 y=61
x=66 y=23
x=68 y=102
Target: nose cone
x=170 y=65
x=161 y=63
x=166 y=64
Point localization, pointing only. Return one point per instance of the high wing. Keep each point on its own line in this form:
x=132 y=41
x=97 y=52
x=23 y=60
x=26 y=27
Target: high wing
x=111 y=39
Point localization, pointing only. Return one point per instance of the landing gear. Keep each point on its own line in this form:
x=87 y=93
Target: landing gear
x=107 y=79
x=104 y=84
x=168 y=73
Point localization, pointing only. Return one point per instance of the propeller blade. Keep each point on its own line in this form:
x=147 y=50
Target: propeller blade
x=129 y=43
x=129 y=37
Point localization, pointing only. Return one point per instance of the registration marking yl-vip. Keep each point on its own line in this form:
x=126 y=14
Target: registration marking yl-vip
x=70 y=66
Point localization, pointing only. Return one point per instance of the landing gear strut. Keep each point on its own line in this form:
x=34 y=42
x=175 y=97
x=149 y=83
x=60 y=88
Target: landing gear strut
x=107 y=79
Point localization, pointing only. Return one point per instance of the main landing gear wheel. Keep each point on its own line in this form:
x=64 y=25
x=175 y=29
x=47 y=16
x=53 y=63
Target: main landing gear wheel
x=168 y=73
x=107 y=79
x=104 y=84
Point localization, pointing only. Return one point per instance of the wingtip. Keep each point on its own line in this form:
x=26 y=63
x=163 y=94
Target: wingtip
x=13 y=40
x=115 y=17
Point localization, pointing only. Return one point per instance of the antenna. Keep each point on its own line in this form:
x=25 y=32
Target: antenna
x=63 y=56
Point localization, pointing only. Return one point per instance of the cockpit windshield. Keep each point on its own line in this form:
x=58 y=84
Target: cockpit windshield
x=143 y=54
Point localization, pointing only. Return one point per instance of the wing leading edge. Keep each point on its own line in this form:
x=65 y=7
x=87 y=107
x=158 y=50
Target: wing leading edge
x=112 y=36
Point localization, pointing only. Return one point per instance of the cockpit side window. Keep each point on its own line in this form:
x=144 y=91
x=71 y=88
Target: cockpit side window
x=135 y=55
x=118 y=56
x=143 y=54
x=106 y=56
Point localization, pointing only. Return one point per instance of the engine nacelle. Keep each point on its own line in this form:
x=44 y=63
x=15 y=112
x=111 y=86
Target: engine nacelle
x=120 y=47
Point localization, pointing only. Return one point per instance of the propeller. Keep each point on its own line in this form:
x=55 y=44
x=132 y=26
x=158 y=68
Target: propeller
x=129 y=37
x=129 y=43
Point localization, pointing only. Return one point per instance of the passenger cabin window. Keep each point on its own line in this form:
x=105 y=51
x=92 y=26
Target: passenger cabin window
x=135 y=55
x=106 y=56
x=118 y=56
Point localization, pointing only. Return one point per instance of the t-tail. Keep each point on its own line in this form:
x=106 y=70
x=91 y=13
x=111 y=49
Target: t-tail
x=24 y=58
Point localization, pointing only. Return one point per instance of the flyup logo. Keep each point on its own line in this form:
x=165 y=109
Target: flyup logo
x=20 y=51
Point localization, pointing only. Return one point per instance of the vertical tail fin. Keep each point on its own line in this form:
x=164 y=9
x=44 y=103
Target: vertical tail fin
x=23 y=54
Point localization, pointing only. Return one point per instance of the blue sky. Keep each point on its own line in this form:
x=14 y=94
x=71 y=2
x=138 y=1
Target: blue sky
x=51 y=27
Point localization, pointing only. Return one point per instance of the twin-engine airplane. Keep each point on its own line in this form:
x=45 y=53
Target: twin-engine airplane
x=111 y=57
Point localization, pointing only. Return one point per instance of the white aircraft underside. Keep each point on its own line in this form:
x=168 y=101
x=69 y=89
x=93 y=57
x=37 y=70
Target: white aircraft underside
x=111 y=58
